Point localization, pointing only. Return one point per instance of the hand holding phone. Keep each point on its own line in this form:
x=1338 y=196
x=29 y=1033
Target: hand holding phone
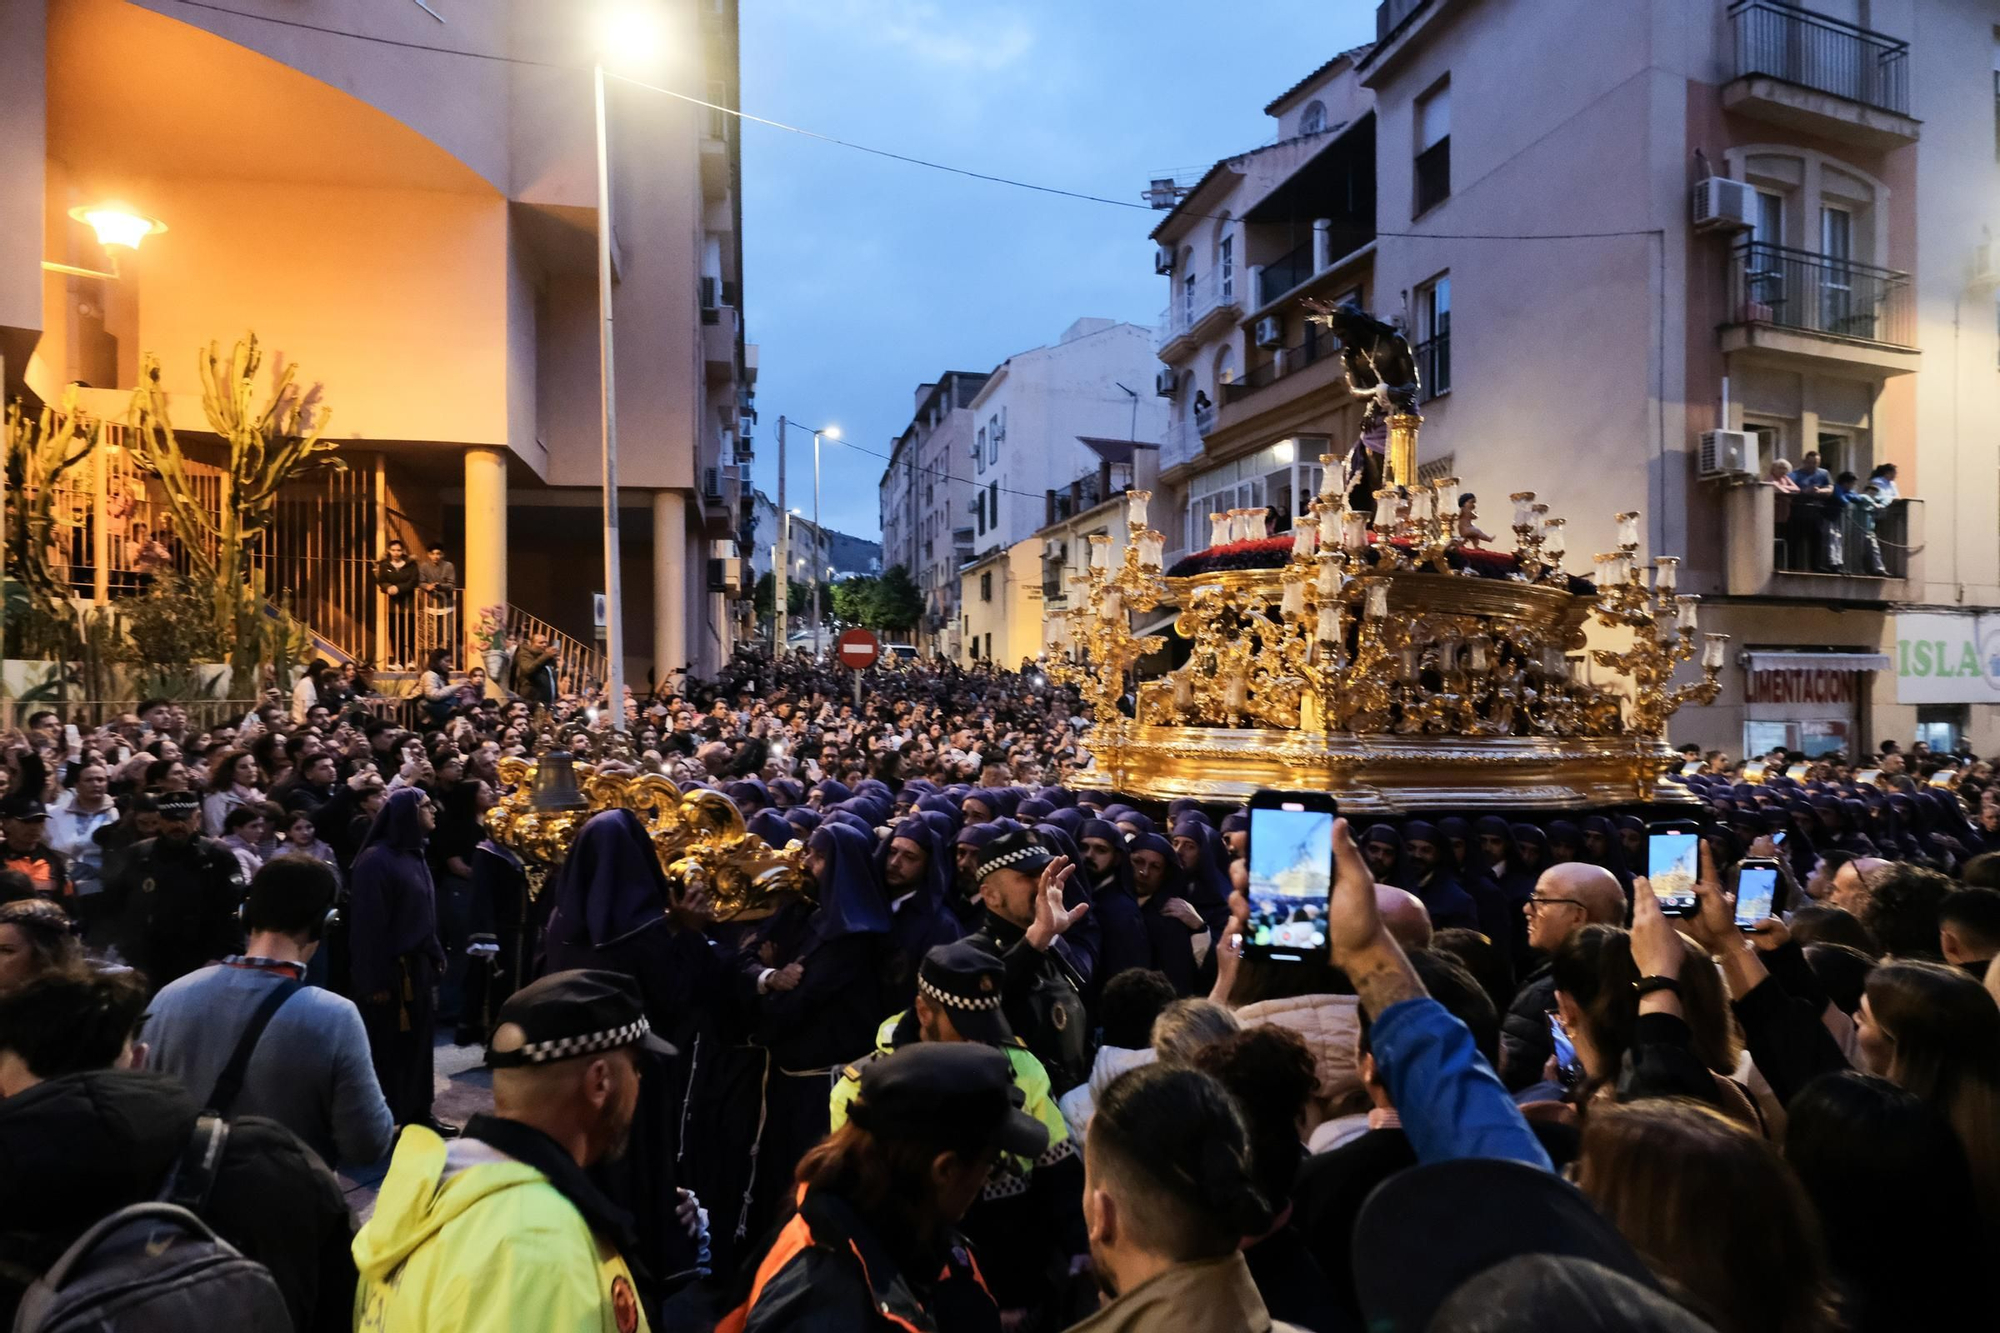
x=1290 y=875
x=1673 y=863
x=1757 y=892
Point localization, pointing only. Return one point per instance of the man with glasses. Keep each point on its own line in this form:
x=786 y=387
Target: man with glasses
x=1567 y=898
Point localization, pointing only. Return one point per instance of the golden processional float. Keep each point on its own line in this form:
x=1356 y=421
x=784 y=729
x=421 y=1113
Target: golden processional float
x=1373 y=655
x=699 y=836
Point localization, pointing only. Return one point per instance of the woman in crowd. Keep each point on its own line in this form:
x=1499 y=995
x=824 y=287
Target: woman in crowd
x=233 y=780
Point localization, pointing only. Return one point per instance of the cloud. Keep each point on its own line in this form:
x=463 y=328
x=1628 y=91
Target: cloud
x=980 y=39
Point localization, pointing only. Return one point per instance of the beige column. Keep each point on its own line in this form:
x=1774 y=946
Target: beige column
x=670 y=583
x=485 y=557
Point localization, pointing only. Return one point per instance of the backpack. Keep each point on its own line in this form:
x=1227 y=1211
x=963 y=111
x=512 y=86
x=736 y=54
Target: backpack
x=156 y=1267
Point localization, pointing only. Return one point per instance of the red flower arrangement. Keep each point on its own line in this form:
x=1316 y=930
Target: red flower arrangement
x=1275 y=552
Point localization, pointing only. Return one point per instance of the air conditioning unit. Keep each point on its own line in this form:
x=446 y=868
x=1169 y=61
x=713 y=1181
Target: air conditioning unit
x=1270 y=331
x=1163 y=259
x=1721 y=204
x=711 y=483
x=1166 y=381
x=1726 y=453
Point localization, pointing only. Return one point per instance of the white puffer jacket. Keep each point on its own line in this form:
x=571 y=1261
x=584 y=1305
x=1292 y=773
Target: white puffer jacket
x=1330 y=1024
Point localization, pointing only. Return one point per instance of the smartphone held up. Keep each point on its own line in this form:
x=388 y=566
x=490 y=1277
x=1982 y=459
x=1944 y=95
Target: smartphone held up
x=1290 y=875
x=1673 y=866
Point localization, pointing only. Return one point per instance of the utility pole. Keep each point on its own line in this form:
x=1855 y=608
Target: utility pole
x=813 y=606
x=781 y=567
x=614 y=601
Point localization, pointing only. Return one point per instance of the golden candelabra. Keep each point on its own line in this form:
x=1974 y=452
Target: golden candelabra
x=1377 y=660
x=700 y=837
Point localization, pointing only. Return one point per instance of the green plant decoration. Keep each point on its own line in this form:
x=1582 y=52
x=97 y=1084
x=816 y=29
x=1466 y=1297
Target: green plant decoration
x=268 y=446
x=39 y=451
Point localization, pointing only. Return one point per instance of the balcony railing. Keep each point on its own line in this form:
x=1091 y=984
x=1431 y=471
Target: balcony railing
x=1281 y=275
x=1822 y=536
x=1796 y=289
x=1089 y=491
x=1825 y=54
x=1434 y=366
x=1192 y=304
x=1315 y=346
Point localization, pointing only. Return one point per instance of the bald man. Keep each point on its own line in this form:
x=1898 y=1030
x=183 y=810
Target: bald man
x=1408 y=920
x=1567 y=898
x=1854 y=884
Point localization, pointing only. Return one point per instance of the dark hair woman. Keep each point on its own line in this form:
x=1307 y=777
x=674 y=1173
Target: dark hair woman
x=1715 y=1213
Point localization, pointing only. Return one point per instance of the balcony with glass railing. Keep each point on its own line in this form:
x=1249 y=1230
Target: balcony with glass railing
x=1814 y=72
x=1200 y=307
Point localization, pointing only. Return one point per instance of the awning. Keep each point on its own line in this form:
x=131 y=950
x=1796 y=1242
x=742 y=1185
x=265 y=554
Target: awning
x=1759 y=660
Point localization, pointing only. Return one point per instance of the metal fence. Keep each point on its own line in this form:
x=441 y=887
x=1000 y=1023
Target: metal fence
x=1818 y=51
x=1797 y=289
x=1822 y=536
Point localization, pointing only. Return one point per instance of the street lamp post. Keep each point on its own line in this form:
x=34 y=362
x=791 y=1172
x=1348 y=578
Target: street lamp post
x=832 y=433
x=614 y=601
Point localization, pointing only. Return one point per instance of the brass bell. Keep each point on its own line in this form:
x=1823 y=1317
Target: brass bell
x=555 y=784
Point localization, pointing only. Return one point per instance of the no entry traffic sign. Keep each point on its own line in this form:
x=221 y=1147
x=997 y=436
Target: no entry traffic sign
x=858 y=648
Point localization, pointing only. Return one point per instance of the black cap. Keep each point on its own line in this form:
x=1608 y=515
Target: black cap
x=947 y=1083
x=966 y=982
x=177 y=804
x=1427 y=1231
x=22 y=805
x=1014 y=848
x=567 y=1015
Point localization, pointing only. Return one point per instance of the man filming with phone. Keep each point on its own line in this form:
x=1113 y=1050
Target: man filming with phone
x=1567 y=898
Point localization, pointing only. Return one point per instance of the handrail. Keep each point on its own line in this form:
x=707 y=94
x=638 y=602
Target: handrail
x=1821 y=52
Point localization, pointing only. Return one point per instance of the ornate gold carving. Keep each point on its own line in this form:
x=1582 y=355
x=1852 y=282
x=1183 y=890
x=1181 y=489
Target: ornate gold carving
x=699 y=837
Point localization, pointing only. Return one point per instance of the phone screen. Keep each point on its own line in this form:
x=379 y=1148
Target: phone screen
x=1567 y=1065
x=1291 y=879
x=1756 y=894
x=1673 y=861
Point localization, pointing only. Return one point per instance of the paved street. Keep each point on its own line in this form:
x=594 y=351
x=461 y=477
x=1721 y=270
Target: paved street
x=464 y=1089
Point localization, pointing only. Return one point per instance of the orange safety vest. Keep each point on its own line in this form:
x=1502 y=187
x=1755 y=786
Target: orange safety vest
x=795 y=1239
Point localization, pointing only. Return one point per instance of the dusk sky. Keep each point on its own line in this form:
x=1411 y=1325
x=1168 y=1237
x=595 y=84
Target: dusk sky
x=865 y=277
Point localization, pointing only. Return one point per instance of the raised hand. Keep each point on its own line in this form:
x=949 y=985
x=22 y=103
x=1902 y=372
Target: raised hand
x=1051 y=917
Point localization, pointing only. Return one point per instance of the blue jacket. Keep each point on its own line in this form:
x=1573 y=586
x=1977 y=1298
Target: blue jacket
x=1451 y=1103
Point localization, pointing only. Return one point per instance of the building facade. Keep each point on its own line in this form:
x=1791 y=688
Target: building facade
x=409 y=215
x=1642 y=251
x=926 y=497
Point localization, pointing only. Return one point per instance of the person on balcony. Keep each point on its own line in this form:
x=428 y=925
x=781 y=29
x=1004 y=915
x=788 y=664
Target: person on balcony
x=397 y=575
x=1882 y=481
x=1861 y=506
x=437 y=598
x=535 y=670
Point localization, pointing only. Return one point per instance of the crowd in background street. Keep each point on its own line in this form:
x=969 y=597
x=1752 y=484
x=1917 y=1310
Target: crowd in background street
x=1005 y=1066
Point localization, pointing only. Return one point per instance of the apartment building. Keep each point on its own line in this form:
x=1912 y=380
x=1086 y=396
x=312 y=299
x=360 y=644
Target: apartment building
x=1642 y=251
x=402 y=201
x=926 y=494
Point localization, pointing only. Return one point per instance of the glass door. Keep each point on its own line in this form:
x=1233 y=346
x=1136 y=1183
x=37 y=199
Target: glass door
x=1836 y=247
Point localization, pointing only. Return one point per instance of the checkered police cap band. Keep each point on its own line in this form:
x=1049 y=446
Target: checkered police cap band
x=568 y=1048
x=950 y=1001
x=1033 y=851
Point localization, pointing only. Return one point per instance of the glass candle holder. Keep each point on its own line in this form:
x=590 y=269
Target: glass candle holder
x=1218 y=528
x=1354 y=530
x=1666 y=573
x=1523 y=501
x=1713 y=647
x=1420 y=505
x=1628 y=528
x=1100 y=552
x=1135 y=506
x=1686 y=611
x=1385 y=509
x=1332 y=620
x=1112 y=607
x=1331 y=476
x=1293 y=604
x=1538 y=517
x=1378 y=601
x=1552 y=538
x=1327 y=583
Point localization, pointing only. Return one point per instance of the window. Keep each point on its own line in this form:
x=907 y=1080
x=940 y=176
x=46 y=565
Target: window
x=993 y=503
x=1433 y=166
x=1434 y=336
x=1225 y=366
x=1836 y=243
x=1225 y=258
x=1187 y=301
x=1941 y=726
x=979 y=449
x=979 y=510
x=986 y=586
x=989 y=647
x=994 y=429
x=1313 y=119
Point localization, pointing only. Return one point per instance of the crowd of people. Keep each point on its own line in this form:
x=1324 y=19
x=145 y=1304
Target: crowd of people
x=1005 y=1065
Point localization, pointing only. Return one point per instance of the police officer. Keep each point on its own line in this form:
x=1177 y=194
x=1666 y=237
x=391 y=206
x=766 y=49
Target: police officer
x=501 y=1228
x=872 y=1245
x=1021 y=884
x=1030 y=1210
x=177 y=896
